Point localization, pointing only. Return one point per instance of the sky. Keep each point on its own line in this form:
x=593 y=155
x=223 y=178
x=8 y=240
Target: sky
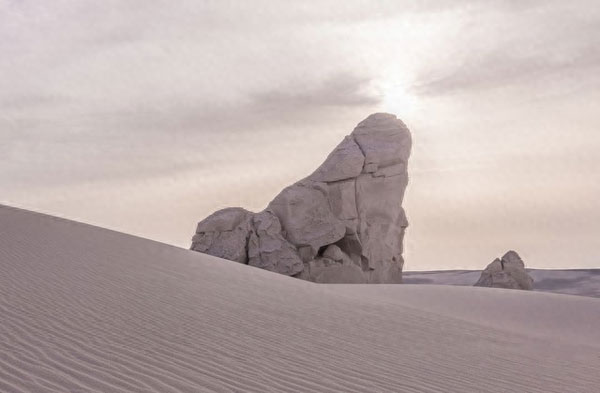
x=145 y=117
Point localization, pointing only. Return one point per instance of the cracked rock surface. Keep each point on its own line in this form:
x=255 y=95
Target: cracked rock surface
x=342 y=224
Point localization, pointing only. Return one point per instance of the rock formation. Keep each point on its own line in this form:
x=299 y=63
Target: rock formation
x=342 y=224
x=506 y=272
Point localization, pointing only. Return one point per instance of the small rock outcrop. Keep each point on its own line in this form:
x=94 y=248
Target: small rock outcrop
x=342 y=224
x=506 y=272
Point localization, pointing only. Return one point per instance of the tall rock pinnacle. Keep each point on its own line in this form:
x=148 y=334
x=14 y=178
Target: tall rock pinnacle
x=342 y=224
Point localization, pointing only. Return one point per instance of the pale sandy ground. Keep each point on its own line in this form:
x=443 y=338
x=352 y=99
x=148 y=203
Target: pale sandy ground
x=87 y=309
x=583 y=282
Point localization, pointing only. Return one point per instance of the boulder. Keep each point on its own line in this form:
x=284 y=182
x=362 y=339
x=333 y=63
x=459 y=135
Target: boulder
x=344 y=223
x=268 y=249
x=224 y=234
x=506 y=272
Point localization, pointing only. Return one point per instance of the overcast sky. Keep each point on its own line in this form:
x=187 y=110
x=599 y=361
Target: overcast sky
x=145 y=117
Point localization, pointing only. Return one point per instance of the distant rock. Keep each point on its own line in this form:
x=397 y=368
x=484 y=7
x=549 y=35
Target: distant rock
x=506 y=272
x=344 y=223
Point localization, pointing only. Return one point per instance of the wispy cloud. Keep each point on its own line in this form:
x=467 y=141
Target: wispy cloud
x=555 y=42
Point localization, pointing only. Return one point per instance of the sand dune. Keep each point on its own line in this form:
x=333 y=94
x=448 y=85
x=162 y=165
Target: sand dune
x=87 y=309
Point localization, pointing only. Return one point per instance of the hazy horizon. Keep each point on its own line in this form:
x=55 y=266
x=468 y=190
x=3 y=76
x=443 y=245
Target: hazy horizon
x=147 y=118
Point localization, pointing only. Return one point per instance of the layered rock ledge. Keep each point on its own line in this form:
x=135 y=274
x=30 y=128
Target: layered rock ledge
x=342 y=224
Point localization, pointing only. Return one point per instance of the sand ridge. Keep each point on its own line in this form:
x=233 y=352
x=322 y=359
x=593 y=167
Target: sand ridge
x=85 y=309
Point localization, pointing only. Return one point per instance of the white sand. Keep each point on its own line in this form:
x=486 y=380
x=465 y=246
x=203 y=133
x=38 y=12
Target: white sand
x=87 y=309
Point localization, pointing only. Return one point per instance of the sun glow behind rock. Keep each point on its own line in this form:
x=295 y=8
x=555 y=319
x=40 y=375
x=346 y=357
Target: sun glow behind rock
x=398 y=100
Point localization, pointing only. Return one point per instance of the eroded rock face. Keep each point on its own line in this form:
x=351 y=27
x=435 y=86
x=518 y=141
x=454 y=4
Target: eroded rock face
x=268 y=249
x=342 y=224
x=224 y=234
x=506 y=272
x=305 y=213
